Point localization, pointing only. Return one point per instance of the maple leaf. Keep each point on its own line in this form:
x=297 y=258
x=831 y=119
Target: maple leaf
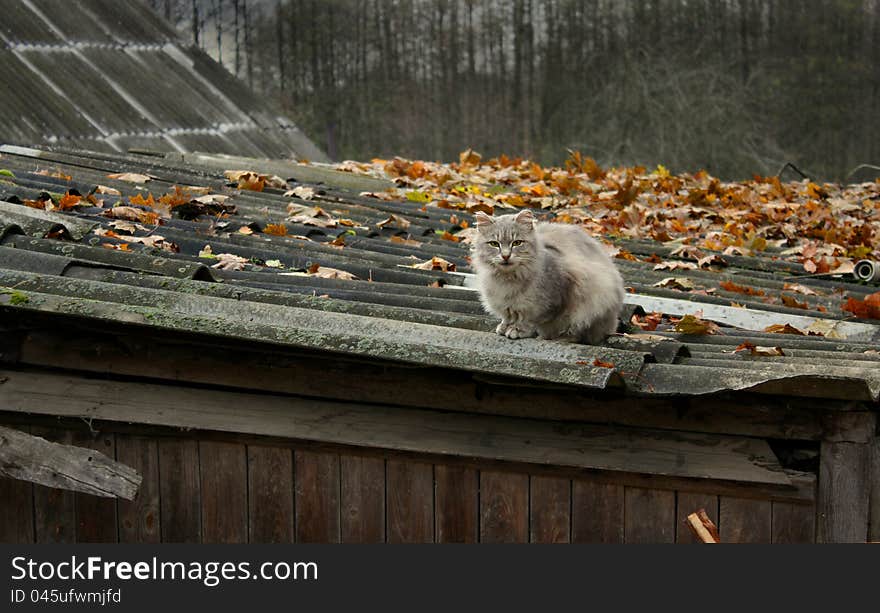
x=679 y=283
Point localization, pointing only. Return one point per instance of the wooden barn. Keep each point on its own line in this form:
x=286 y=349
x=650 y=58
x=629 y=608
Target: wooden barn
x=316 y=385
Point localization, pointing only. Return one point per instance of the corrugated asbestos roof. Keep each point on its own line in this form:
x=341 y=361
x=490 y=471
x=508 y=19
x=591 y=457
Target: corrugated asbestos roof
x=112 y=76
x=63 y=263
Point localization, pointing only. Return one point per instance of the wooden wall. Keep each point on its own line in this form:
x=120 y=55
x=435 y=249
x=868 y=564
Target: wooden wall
x=199 y=489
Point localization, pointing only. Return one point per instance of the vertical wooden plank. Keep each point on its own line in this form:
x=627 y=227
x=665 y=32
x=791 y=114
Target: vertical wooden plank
x=504 y=507
x=270 y=494
x=139 y=518
x=596 y=512
x=844 y=490
x=16 y=511
x=96 y=520
x=179 y=491
x=794 y=523
x=317 y=496
x=54 y=509
x=223 y=474
x=743 y=520
x=690 y=502
x=549 y=510
x=362 y=499
x=456 y=507
x=16 y=505
x=649 y=515
x=874 y=503
x=410 y=501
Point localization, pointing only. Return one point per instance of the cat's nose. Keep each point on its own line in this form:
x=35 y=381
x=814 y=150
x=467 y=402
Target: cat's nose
x=505 y=257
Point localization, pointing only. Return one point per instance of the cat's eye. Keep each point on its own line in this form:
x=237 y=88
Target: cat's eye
x=494 y=244
x=516 y=243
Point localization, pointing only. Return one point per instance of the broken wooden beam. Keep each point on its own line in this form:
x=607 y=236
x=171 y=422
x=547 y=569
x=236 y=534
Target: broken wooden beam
x=703 y=527
x=31 y=458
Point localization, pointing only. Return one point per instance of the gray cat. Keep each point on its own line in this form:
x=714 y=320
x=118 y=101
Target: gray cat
x=546 y=280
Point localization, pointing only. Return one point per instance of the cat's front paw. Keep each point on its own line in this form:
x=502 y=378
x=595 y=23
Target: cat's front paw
x=515 y=332
x=502 y=328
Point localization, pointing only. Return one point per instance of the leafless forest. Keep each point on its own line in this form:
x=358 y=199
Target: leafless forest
x=734 y=86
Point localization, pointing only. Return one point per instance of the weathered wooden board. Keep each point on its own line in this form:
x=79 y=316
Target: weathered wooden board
x=54 y=509
x=16 y=504
x=223 y=474
x=316 y=500
x=270 y=494
x=363 y=499
x=794 y=523
x=270 y=370
x=649 y=452
x=649 y=516
x=504 y=507
x=16 y=511
x=596 y=512
x=456 y=508
x=32 y=458
x=139 y=518
x=742 y=520
x=180 y=498
x=410 y=501
x=844 y=490
x=690 y=502
x=874 y=505
x=549 y=509
x=96 y=520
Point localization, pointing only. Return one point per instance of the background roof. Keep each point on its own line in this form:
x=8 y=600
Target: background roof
x=112 y=76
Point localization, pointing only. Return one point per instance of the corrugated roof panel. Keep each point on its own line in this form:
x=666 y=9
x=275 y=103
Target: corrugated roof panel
x=391 y=311
x=30 y=107
x=19 y=24
x=90 y=92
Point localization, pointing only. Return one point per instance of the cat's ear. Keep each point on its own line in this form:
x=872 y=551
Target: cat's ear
x=525 y=217
x=483 y=220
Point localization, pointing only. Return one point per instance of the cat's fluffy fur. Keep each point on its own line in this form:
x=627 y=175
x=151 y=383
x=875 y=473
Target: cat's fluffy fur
x=546 y=280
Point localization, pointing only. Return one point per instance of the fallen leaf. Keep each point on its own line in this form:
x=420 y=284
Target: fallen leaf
x=397 y=221
x=691 y=324
x=784 y=329
x=730 y=286
x=600 y=364
x=758 y=350
x=679 y=283
x=130 y=177
x=275 y=229
x=229 y=261
x=405 y=241
x=799 y=289
x=103 y=189
x=302 y=192
x=325 y=272
x=790 y=301
x=435 y=263
x=866 y=308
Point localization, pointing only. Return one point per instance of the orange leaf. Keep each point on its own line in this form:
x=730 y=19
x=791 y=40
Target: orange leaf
x=730 y=286
x=68 y=201
x=790 y=301
x=278 y=229
x=600 y=364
